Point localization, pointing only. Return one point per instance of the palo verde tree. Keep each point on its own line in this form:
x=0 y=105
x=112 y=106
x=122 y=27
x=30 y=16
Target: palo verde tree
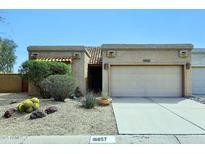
x=7 y=55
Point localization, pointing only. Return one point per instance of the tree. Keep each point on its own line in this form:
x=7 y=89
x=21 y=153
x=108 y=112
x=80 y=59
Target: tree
x=7 y=55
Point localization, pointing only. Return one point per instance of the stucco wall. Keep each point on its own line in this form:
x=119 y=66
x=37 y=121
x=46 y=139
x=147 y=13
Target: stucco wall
x=80 y=71
x=10 y=83
x=86 y=62
x=156 y=56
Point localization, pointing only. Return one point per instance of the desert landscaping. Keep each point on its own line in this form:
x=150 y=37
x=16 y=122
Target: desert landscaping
x=70 y=119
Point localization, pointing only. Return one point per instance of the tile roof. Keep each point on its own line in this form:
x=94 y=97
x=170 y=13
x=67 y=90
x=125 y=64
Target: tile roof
x=60 y=59
x=96 y=55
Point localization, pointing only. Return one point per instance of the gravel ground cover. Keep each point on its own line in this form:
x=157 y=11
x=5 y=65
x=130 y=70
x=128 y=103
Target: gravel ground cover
x=70 y=119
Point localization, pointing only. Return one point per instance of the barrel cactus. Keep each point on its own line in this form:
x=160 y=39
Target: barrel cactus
x=29 y=110
x=20 y=107
x=36 y=106
x=28 y=105
x=35 y=100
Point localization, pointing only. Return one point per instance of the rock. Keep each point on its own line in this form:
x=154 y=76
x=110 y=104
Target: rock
x=37 y=114
x=78 y=92
x=9 y=112
x=51 y=109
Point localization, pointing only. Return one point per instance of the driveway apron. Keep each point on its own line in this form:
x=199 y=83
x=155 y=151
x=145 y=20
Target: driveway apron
x=159 y=116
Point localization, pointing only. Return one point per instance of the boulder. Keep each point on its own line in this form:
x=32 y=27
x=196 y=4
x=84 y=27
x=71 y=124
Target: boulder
x=37 y=114
x=51 y=109
x=9 y=112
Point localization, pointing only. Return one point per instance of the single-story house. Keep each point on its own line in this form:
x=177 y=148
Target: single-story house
x=198 y=71
x=125 y=70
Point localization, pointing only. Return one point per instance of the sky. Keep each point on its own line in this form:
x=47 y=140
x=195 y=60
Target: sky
x=96 y=27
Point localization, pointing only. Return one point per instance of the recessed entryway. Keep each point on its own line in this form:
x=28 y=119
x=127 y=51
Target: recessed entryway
x=95 y=78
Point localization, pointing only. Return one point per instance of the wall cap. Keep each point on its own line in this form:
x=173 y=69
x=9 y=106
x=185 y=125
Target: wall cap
x=146 y=46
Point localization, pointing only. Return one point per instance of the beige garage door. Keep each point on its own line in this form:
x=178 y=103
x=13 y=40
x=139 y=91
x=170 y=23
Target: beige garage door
x=146 y=81
x=198 y=80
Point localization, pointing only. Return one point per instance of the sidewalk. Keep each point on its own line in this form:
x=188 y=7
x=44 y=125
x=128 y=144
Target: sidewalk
x=119 y=139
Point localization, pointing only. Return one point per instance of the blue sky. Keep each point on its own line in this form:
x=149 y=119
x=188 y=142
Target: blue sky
x=95 y=27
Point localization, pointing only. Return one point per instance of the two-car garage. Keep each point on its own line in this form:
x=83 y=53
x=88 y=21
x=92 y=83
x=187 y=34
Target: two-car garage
x=146 y=81
x=150 y=70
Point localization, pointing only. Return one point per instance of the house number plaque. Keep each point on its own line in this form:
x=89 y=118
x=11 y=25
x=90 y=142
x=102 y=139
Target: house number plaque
x=102 y=140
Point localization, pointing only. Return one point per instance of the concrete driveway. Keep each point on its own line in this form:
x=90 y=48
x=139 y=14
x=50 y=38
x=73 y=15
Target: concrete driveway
x=159 y=116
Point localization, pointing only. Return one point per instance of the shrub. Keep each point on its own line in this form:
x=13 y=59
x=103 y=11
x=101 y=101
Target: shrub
x=89 y=101
x=59 y=68
x=61 y=86
x=36 y=71
x=45 y=87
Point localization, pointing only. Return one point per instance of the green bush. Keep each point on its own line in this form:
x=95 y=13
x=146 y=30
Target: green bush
x=45 y=87
x=59 y=68
x=89 y=101
x=61 y=86
x=36 y=71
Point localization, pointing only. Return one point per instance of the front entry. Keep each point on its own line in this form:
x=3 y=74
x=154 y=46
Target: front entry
x=95 y=78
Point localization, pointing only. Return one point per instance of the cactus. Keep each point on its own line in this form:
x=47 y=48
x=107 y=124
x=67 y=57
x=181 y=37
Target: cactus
x=20 y=107
x=29 y=110
x=35 y=100
x=28 y=105
x=36 y=106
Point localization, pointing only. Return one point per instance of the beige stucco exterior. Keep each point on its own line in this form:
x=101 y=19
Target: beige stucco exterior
x=79 y=65
x=147 y=55
x=124 y=54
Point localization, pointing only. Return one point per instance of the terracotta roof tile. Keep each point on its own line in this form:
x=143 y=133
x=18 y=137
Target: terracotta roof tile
x=96 y=55
x=61 y=59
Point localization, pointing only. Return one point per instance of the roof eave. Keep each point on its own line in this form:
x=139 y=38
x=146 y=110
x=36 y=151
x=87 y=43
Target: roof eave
x=146 y=46
x=55 y=48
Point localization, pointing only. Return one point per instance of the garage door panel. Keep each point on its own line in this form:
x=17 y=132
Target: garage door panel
x=198 y=80
x=146 y=81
